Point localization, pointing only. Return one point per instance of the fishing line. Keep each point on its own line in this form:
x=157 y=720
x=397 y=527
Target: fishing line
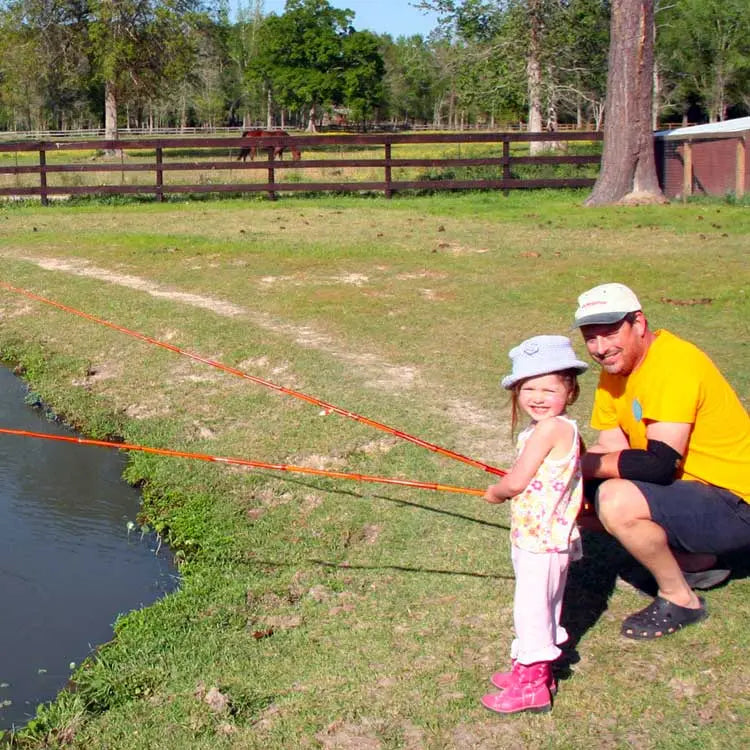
x=328 y=408
x=246 y=462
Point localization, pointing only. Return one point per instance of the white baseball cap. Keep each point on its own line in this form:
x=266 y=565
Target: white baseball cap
x=606 y=303
x=542 y=355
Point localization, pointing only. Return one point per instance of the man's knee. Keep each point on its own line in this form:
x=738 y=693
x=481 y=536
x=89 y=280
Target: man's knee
x=619 y=502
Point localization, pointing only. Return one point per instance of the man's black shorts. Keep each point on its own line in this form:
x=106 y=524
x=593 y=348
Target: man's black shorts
x=698 y=517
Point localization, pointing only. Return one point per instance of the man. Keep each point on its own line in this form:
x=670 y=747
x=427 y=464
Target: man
x=672 y=456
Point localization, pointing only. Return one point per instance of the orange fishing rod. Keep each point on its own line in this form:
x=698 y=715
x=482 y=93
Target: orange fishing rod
x=260 y=381
x=245 y=462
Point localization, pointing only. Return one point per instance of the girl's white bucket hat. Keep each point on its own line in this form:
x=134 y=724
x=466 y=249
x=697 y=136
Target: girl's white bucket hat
x=541 y=355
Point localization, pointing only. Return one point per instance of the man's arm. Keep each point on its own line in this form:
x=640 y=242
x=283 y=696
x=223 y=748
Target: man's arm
x=611 y=455
x=600 y=459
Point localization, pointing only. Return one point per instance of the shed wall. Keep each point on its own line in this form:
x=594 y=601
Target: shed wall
x=714 y=165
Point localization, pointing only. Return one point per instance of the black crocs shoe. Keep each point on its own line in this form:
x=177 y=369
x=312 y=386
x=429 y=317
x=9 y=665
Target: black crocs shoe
x=661 y=618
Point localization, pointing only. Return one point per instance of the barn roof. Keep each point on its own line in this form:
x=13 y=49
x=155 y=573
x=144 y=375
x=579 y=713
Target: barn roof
x=725 y=129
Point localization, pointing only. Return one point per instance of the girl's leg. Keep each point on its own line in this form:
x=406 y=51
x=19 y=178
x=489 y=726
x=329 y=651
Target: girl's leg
x=537 y=605
x=558 y=593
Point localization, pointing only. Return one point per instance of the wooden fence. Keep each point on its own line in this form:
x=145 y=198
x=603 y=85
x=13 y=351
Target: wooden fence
x=218 y=168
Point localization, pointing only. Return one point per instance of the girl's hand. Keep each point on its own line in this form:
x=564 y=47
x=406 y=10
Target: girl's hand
x=493 y=495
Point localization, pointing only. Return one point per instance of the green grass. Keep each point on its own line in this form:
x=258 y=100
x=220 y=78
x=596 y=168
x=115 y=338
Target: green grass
x=330 y=613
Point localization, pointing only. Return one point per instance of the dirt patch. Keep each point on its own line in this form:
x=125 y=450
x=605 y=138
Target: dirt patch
x=16 y=310
x=99 y=372
x=316 y=461
x=383 y=445
x=453 y=248
x=83 y=268
x=352 y=279
x=342 y=735
x=148 y=410
x=413 y=276
x=486 y=432
x=488 y=736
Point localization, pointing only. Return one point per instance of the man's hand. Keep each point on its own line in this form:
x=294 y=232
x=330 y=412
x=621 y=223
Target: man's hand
x=600 y=459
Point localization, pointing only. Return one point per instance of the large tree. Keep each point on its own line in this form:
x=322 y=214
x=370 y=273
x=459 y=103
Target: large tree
x=555 y=47
x=311 y=57
x=125 y=49
x=134 y=43
x=704 y=53
x=247 y=93
x=44 y=69
x=628 y=168
x=363 y=73
x=410 y=80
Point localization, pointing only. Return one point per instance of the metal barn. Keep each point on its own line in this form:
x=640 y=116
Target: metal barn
x=710 y=159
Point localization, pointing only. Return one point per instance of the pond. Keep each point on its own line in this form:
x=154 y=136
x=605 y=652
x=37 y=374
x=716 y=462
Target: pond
x=68 y=564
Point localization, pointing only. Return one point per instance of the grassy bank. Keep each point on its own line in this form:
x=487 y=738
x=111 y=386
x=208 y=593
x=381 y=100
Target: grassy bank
x=326 y=613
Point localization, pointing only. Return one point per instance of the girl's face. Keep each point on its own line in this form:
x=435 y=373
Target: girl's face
x=543 y=396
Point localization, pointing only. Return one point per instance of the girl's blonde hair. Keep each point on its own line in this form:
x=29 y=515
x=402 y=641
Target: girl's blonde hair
x=569 y=378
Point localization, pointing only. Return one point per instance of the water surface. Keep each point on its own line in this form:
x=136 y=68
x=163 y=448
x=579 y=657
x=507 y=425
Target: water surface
x=68 y=566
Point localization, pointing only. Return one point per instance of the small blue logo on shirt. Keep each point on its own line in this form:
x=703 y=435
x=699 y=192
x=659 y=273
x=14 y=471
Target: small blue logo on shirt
x=637 y=410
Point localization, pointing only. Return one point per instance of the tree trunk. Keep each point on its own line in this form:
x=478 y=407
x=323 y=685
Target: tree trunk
x=110 y=116
x=534 y=76
x=628 y=168
x=656 y=99
x=183 y=111
x=534 y=80
x=311 y=127
x=110 y=111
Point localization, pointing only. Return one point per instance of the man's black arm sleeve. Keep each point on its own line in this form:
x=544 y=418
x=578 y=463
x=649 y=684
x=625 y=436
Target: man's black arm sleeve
x=658 y=464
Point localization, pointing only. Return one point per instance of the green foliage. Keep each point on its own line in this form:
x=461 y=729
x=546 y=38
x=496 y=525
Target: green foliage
x=493 y=44
x=101 y=684
x=65 y=53
x=362 y=88
x=182 y=62
x=310 y=57
x=703 y=48
x=410 y=80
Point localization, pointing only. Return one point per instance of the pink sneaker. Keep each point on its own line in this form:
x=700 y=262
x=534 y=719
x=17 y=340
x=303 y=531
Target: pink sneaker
x=528 y=692
x=503 y=680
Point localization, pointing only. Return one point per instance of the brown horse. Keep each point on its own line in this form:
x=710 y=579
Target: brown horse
x=276 y=151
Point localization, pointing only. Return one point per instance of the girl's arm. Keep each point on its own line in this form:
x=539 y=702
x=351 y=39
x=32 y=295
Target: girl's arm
x=548 y=435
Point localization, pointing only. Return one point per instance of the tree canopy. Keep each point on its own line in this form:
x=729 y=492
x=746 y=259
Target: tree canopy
x=84 y=63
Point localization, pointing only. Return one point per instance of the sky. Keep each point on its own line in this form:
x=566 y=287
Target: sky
x=394 y=17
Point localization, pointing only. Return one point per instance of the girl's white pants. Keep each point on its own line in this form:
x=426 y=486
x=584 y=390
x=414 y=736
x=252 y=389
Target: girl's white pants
x=537 y=604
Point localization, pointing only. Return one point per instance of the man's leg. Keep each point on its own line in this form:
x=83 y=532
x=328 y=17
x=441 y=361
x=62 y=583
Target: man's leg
x=693 y=562
x=625 y=514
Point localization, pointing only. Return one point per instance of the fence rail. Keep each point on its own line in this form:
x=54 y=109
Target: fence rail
x=208 y=130
x=215 y=160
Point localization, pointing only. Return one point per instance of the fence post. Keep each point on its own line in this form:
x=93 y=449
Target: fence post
x=388 y=191
x=271 y=175
x=687 y=170
x=739 y=182
x=506 y=162
x=159 y=175
x=43 y=175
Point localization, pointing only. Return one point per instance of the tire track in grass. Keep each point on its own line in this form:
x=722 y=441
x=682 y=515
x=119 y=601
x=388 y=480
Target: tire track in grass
x=478 y=426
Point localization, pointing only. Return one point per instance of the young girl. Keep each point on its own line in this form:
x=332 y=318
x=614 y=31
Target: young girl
x=545 y=484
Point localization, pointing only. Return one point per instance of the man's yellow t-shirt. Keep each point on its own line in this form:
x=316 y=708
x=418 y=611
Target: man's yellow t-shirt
x=677 y=382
